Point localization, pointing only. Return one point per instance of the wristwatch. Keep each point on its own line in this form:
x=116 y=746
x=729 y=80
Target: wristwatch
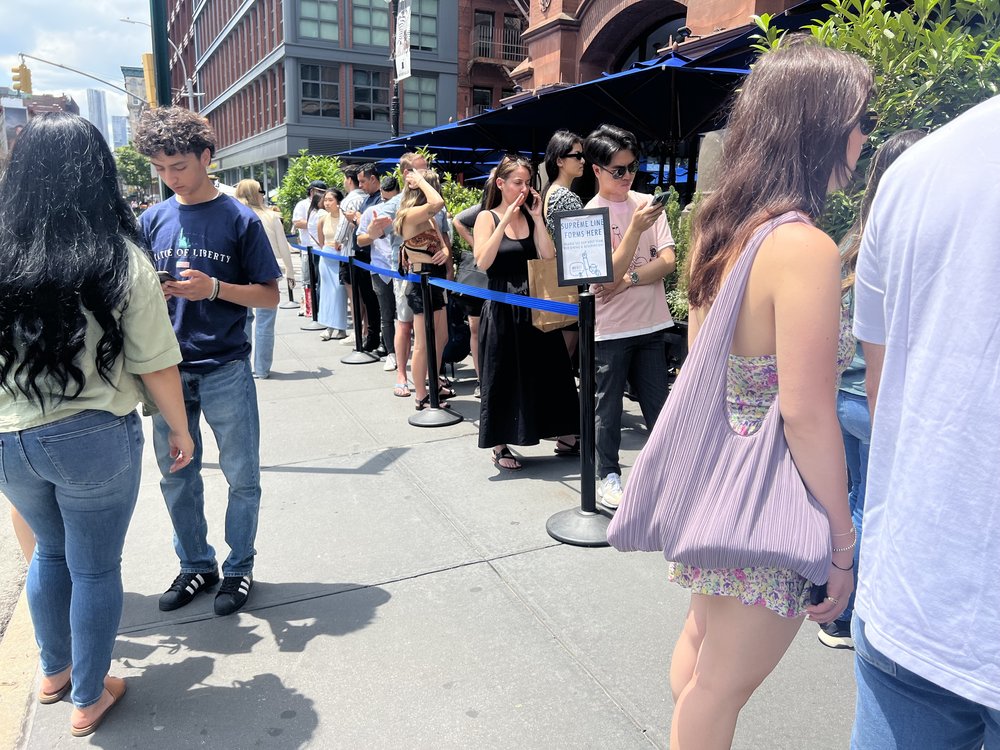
x=633 y=277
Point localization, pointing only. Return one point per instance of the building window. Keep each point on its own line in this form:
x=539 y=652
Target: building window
x=419 y=102
x=512 y=48
x=371 y=22
x=423 y=25
x=482 y=34
x=371 y=94
x=318 y=20
x=482 y=100
x=320 y=90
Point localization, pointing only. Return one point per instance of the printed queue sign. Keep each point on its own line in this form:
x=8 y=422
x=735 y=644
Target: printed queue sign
x=583 y=247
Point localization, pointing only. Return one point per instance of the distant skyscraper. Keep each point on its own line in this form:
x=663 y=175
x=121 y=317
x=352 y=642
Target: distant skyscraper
x=135 y=85
x=97 y=112
x=119 y=130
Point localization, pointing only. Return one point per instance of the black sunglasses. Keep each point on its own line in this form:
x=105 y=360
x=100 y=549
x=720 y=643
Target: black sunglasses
x=867 y=123
x=619 y=172
x=574 y=155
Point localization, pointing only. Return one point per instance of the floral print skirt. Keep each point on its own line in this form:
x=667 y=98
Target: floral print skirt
x=782 y=591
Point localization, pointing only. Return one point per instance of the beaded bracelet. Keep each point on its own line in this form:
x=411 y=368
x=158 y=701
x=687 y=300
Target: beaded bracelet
x=848 y=548
x=215 y=290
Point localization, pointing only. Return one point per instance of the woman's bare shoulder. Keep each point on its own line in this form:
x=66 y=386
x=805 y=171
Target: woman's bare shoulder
x=798 y=245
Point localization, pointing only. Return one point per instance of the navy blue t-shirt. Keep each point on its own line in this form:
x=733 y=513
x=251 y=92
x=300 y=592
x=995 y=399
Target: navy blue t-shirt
x=221 y=238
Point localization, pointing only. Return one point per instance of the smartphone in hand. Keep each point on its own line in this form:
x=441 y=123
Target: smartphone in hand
x=166 y=276
x=661 y=198
x=529 y=200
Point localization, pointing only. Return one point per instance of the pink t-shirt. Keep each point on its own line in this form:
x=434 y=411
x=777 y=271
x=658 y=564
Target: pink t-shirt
x=639 y=309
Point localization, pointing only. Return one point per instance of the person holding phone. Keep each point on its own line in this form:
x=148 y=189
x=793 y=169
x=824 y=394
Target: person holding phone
x=86 y=334
x=527 y=388
x=631 y=310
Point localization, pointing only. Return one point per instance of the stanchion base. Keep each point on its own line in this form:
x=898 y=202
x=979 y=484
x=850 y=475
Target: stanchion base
x=312 y=326
x=359 y=358
x=435 y=418
x=288 y=305
x=578 y=528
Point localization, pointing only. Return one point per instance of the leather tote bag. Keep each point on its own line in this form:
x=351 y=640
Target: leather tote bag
x=707 y=496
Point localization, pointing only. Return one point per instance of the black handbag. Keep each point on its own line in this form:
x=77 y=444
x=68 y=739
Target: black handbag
x=469 y=273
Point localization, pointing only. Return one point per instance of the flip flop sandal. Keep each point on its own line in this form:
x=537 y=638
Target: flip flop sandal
x=565 y=449
x=92 y=726
x=47 y=699
x=505 y=454
x=401 y=390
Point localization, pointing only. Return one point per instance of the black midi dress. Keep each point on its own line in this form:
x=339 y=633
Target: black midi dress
x=527 y=387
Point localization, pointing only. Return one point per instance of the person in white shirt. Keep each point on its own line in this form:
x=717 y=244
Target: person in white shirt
x=925 y=628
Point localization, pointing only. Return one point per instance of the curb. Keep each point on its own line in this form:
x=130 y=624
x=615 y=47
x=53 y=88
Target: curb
x=18 y=665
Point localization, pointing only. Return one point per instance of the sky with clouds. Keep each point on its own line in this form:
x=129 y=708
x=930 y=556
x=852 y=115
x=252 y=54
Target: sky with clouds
x=83 y=34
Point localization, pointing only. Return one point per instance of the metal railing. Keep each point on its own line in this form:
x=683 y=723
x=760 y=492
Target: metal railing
x=509 y=48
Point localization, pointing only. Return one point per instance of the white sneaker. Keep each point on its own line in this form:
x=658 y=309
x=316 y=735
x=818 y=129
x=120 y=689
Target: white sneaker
x=390 y=363
x=609 y=491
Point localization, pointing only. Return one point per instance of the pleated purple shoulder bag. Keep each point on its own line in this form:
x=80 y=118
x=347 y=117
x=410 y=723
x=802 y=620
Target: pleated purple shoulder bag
x=707 y=496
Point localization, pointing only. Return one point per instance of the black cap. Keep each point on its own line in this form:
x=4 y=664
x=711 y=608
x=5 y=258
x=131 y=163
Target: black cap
x=317 y=185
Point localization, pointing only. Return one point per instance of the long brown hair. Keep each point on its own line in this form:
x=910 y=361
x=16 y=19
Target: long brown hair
x=787 y=135
x=507 y=165
x=887 y=153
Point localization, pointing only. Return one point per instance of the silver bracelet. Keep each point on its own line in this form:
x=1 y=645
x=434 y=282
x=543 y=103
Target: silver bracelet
x=215 y=290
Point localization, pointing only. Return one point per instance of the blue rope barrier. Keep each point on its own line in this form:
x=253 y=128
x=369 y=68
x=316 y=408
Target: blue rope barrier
x=518 y=300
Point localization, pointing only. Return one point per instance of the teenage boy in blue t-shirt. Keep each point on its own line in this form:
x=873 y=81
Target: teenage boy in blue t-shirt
x=215 y=250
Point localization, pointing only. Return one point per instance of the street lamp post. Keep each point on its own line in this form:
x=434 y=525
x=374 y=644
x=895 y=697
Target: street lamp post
x=188 y=84
x=394 y=101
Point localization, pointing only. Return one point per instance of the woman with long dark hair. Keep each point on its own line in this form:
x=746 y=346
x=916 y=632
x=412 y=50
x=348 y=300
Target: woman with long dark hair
x=564 y=163
x=332 y=311
x=527 y=386
x=795 y=133
x=83 y=327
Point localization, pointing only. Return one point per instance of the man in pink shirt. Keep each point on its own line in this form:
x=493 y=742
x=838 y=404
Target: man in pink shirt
x=632 y=311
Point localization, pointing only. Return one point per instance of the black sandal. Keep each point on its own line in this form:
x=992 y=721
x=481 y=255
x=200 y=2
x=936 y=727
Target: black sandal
x=505 y=454
x=565 y=449
x=425 y=403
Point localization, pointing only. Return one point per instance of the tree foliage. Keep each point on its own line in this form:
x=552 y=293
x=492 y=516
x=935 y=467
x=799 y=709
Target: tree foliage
x=302 y=170
x=932 y=61
x=133 y=169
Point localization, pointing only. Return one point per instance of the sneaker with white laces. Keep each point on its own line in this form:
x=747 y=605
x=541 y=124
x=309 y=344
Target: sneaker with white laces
x=609 y=491
x=186 y=587
x=233 y=594
x=390 y=363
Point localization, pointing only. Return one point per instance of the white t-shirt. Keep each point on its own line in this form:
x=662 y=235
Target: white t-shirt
x=641 y=309
x=301 y=213
x=928 y=288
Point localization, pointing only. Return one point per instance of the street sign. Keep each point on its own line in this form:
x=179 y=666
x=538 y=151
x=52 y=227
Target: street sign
x=402 y=50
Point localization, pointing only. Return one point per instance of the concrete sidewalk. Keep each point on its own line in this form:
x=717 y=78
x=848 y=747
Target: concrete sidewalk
x=408 y=596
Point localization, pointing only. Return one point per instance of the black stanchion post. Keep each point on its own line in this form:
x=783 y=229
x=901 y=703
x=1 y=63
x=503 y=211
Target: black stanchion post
x=434 y=415
x=359 y=356
x=291 y=297
x=584 y=526
x=312 y=325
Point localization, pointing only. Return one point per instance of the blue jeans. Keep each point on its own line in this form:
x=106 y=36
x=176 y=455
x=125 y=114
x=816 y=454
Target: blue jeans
x=856 y=426
x=228 y=399
x=75 y=481
x=263 y=343
x=640 y=360
x=898 y=710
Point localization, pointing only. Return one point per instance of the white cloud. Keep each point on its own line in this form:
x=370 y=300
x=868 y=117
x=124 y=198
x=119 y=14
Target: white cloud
x=85 y=35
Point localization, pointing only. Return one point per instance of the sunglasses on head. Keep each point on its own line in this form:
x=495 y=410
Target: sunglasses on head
x=867 y=123
x=619 y=172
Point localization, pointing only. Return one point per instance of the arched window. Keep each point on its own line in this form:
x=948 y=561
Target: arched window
x=646 y=44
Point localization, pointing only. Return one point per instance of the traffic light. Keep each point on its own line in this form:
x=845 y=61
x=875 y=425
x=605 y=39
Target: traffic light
x=22 y=78
x=149 y=76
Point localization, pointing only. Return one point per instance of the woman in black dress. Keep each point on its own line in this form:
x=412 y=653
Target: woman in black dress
x=528 y=391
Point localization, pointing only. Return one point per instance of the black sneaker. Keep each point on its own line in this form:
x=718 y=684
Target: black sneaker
x=836 y=634
x=185 y=588
x=233 y=594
